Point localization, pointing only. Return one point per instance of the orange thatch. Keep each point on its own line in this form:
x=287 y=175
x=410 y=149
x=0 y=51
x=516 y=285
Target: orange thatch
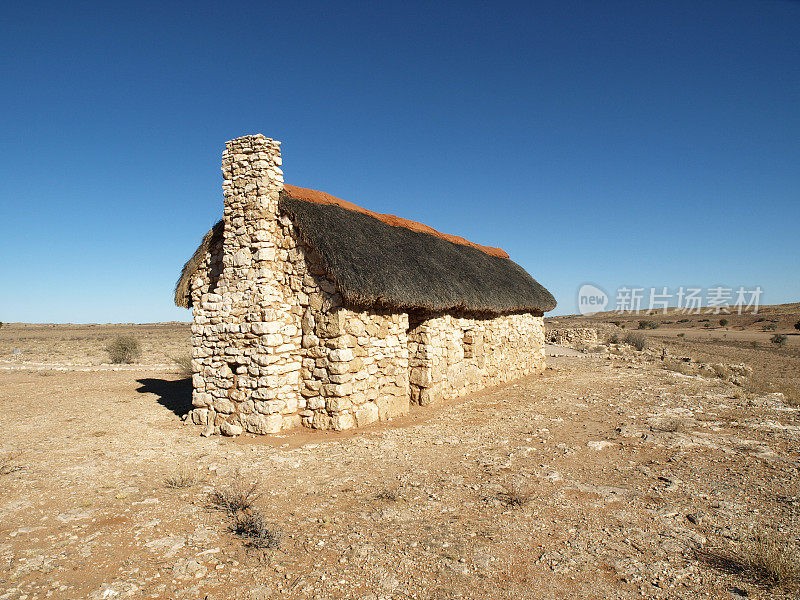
x=324 y=198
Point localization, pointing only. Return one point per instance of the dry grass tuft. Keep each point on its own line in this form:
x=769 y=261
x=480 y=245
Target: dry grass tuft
x=8 y=464
x=667 y=424
x=390 y=494
x=678 y=366
x=772 y=558
x=256 y=532
x=765 y=557
x=182 y=478
x=789 y=387
x=517 y=494
x=236 y=497
x=722 y=371
x=184 y=364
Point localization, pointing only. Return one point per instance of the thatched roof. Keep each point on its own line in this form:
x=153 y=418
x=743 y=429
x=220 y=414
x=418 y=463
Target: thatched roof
x=318 y=197
x=384 y=261
x=183 y=291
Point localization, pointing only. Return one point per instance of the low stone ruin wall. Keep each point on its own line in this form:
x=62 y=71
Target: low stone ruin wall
x=572 y=336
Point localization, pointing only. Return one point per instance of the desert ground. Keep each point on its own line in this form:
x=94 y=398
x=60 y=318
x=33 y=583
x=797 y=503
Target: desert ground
x=615 y=474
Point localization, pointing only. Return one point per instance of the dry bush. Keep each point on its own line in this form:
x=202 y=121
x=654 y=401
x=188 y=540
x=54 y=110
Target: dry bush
x=256 y=532
x=182 y=478
x=517 y=493
x=636 y=340
x=613 y=339
x=236 y=497
x=678 y=366
x=184 y=364
x=124 y=349
x=779 y=339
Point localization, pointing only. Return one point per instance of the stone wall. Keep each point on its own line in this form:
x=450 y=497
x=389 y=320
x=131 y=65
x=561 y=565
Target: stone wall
x=451 y=356
x=274 y=347
x=570 y=336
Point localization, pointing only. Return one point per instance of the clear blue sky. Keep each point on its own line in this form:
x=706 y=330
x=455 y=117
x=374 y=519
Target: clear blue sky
x=619 y=143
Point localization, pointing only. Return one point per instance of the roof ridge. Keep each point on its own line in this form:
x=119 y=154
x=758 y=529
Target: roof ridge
x=319 y=197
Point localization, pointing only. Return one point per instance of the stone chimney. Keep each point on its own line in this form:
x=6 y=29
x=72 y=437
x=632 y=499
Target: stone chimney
x=252 y=181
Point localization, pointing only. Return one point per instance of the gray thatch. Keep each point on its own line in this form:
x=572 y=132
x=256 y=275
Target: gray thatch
x=183 y=291
x=378 y=265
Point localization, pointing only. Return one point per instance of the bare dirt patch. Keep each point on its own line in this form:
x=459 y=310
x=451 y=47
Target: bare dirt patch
x=607 y=477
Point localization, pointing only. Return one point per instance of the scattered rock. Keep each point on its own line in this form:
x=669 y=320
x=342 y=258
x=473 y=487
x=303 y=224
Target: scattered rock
x=599 y=445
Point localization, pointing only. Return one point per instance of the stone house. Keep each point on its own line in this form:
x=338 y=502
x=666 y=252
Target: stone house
x=309 y=310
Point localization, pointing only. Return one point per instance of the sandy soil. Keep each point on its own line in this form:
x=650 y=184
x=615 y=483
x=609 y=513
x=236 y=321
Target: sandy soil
x=84 y=345
x=607 y=477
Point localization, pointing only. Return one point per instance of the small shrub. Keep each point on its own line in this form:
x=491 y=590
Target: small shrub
x=235 y=498
x=252 y=526
x=723 y=322
x=124 y=349
x=184 y=364
x=681 y=335
x=796 y=325
x=754 y=344
x=618 y=322
x=772 y=558
x=648 y=325
x=182 y=478
x=636 y=340
x=779 y=339
x=770 y=327
x=683 y=320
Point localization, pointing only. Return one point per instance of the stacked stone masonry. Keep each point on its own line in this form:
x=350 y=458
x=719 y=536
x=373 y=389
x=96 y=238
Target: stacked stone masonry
x=275 y=348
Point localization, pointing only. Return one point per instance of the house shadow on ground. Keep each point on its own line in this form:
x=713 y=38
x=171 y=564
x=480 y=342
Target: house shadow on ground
x=175 y=395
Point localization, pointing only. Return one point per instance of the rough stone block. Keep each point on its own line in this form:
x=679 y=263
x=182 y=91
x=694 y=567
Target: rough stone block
x=366 y=413
x=341 y=355
x=344 y=421
x=263 y=424
x=338 y=404
x=337 y=389
x=224 y=406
